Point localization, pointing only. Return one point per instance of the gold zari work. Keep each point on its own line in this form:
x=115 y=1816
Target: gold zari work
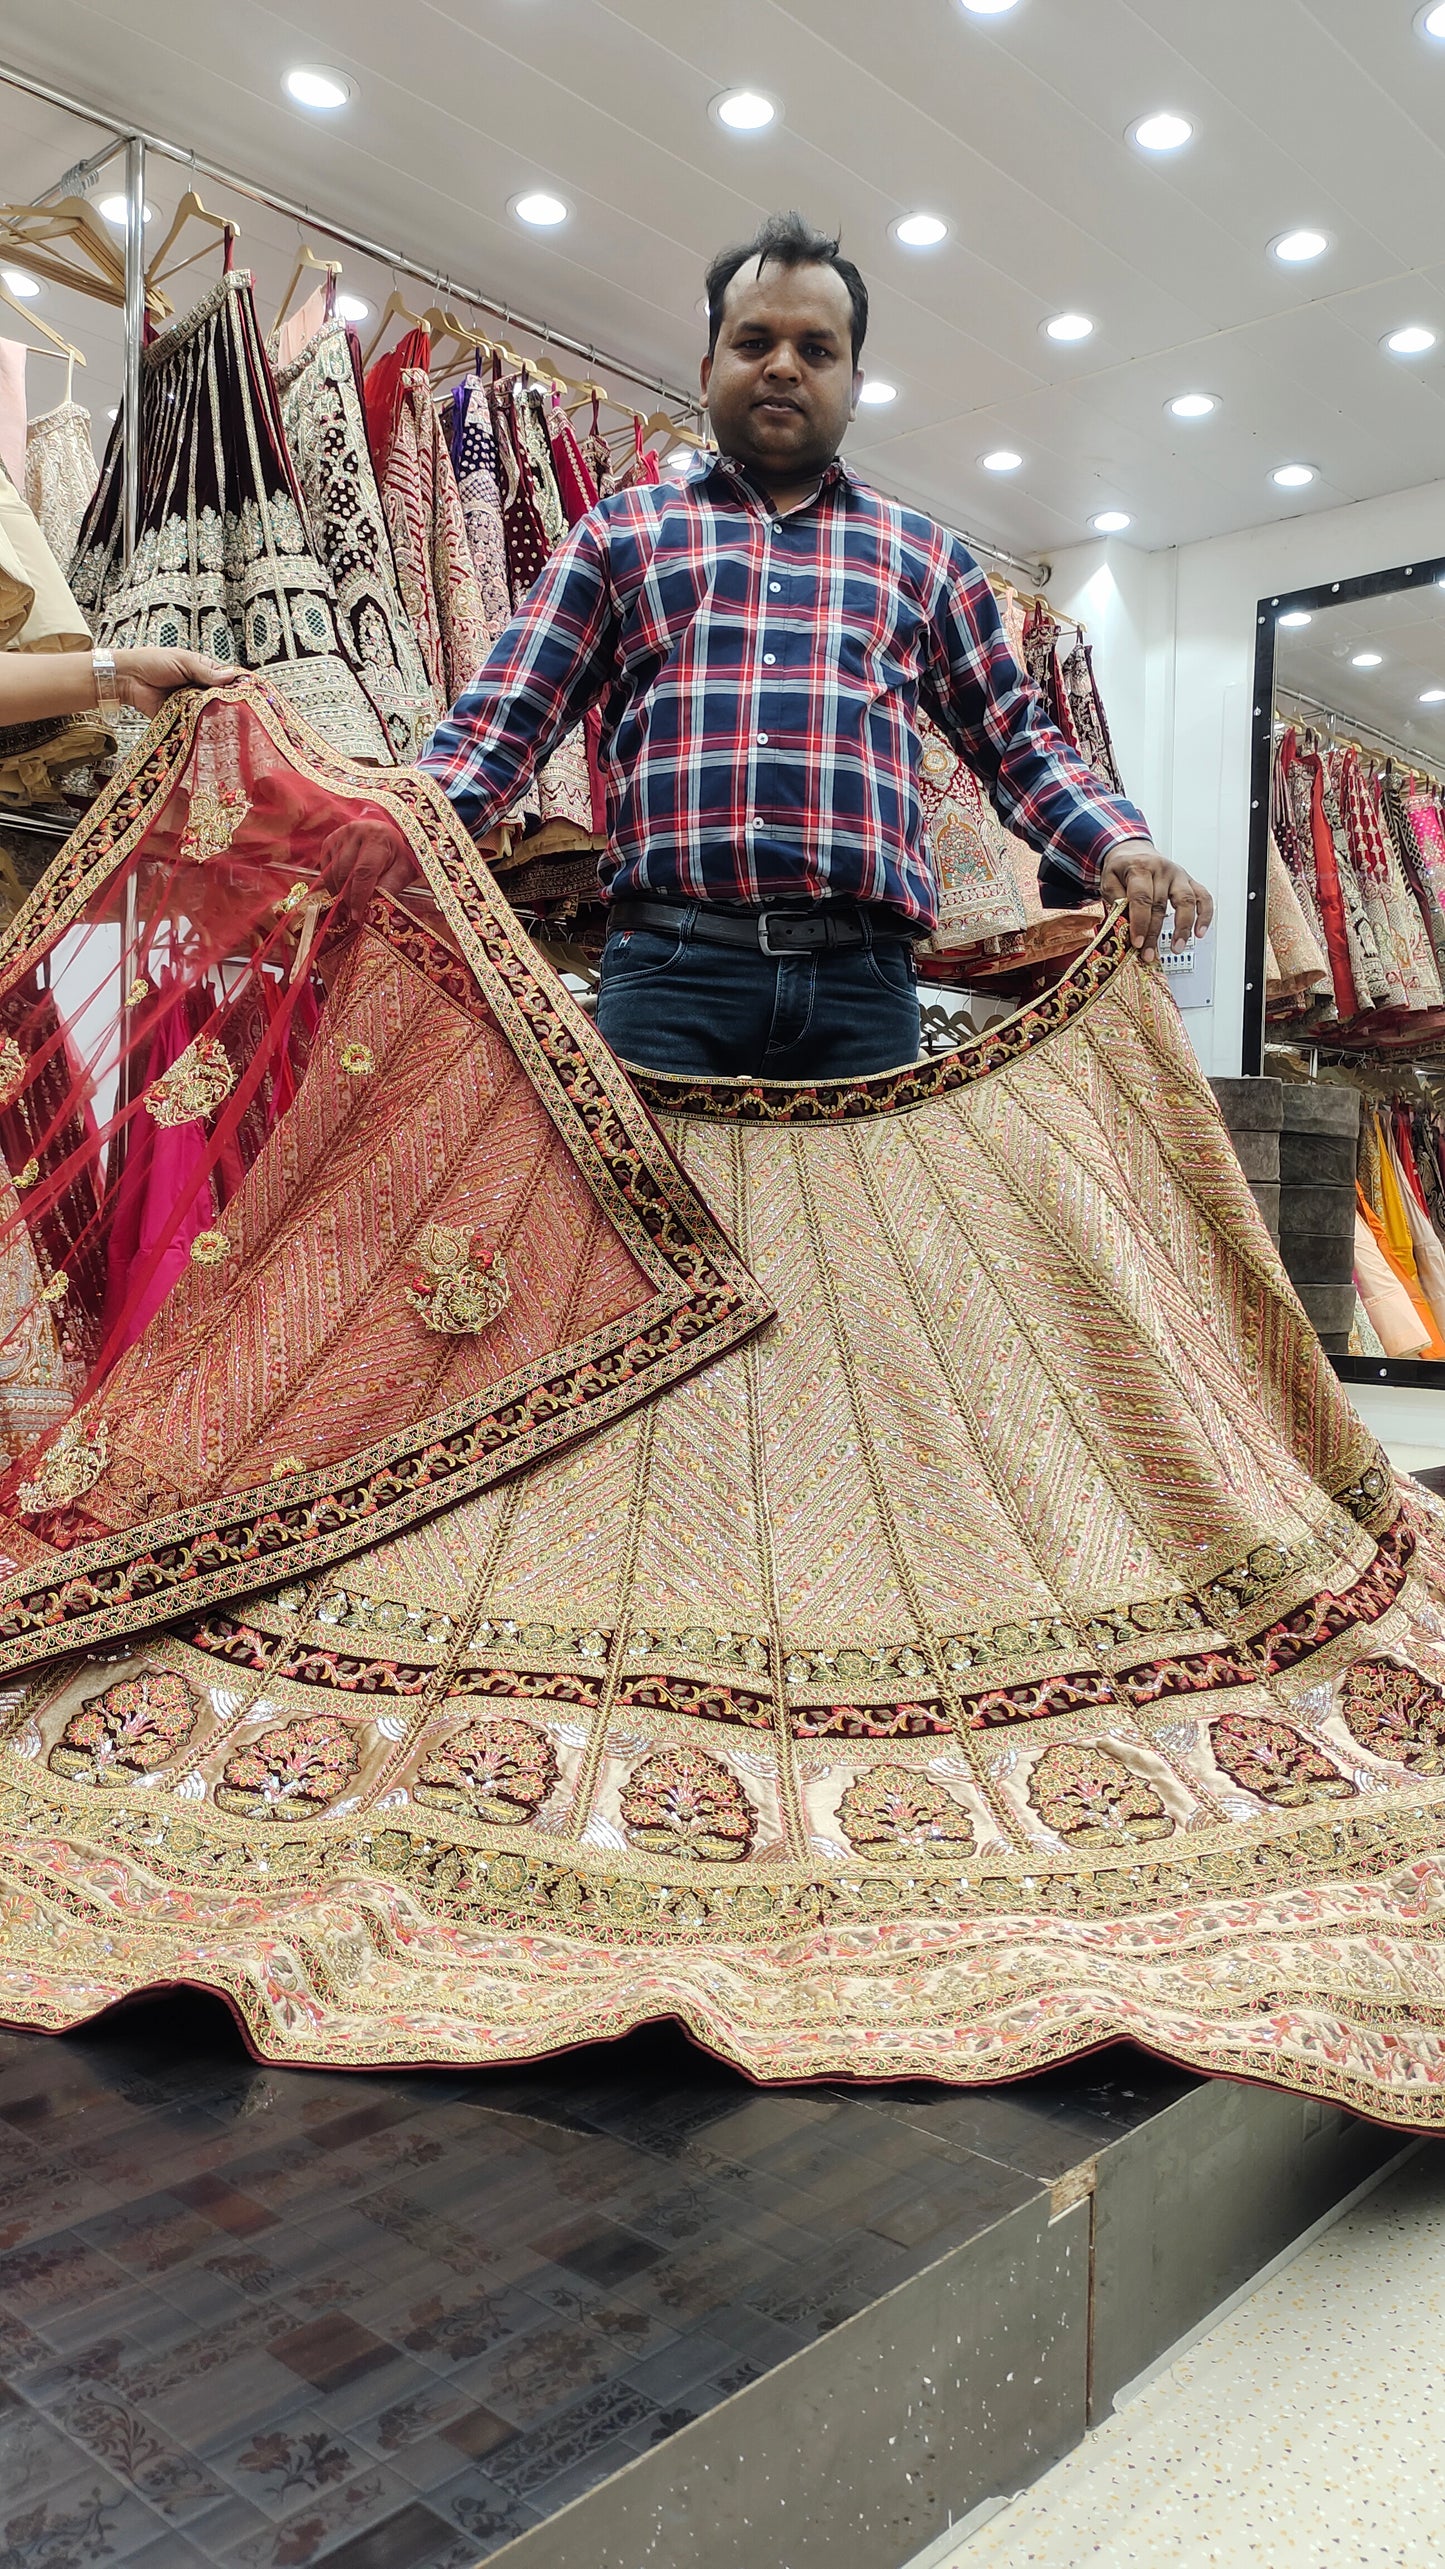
x=196 y=1084
x=1017 y=1645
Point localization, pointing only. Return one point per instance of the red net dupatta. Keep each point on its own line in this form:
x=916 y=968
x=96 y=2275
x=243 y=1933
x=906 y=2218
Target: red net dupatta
x=312 y=1226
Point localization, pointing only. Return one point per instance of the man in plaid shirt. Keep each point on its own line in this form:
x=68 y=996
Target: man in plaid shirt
x=759 y=635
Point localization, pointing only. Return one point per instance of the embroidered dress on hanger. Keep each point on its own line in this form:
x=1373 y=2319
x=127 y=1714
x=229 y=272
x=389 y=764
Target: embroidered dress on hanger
x=429 y=539
x=60 y=476
x=224 y=562
x=524 y=533
x=321 y=411
x=472 y=443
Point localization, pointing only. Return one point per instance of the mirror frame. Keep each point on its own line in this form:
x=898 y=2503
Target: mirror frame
x=1406 y=1370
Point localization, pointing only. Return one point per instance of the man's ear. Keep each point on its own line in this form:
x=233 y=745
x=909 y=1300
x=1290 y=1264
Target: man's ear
x=704 y=373
x=857 y=389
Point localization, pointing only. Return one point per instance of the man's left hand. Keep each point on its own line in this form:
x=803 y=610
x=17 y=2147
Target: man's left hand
x=1135 y=872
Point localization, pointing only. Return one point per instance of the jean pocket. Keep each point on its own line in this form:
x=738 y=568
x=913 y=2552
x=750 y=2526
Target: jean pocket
x=892 y=964
x=640 y=954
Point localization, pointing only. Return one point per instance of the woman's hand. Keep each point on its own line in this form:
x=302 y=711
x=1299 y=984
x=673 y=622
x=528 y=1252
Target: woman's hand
x=144 y=678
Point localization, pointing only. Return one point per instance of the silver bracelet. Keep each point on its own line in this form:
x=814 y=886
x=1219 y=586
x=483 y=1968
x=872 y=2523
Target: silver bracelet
x=107 y=684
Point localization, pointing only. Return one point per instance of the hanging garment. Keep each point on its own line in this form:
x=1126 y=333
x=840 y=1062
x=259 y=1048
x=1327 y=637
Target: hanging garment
x=1428 y=1253
x=321 y=411
x=383 y=391
x=530 y=410
x=1298 y=969
x=1088 y=720
x=300 y=327
x=978 y=894
x=224 y=562
x=473 y=447
x=13 y=353
x=1392 y=1231
x=1394 y=1317
x=571 y=795
x=39 y=760
x=1289 y=827
x=1020 y=1647
x=60 y=476
x=523 y=531
x=1368 y=967
x=1414 y=968
x=429 y=539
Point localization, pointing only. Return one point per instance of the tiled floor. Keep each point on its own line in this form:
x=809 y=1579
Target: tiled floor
x=261 y=2318
x=1303 y=2430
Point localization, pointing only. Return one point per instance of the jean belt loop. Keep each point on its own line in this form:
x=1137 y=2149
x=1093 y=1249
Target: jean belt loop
x=865 y=916
x=689 y=921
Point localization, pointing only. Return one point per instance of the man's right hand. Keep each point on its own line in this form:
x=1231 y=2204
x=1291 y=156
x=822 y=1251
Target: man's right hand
x=362 y=858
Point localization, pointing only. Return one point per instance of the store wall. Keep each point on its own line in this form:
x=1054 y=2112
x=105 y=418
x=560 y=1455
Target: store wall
x=1173 y=635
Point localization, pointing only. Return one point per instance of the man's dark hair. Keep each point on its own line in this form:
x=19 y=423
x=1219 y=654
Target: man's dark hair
x=786 y=241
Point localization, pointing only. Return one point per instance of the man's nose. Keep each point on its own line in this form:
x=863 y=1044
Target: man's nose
x=783 y=362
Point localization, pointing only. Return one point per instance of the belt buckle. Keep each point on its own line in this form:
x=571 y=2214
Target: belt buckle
x=777 y=954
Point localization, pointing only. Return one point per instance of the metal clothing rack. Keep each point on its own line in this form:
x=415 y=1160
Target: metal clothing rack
x=136 y=144
x=1350 y=723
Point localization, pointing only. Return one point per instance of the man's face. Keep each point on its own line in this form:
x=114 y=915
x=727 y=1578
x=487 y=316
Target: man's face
x=780 y=385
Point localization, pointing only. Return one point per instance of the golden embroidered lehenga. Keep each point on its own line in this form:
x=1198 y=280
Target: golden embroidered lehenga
x=460 y=1621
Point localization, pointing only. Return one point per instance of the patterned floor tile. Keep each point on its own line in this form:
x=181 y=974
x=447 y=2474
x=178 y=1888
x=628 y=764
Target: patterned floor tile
x=277 y=2468
x=91 y=2519
x=139 y=2454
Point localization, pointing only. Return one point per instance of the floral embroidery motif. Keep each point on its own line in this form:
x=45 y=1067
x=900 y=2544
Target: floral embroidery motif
x=358 y=1059
x=1092 y=1799
x=1270 y=1759
x=140 y=989
x=26 y=1176
x=209 y=1248
x=12 y=1071
x=894 y=1816
x=461 y=1285
x=1396 y=1713
x=56 y=1289
x=68 y=1468
x=682 y=1802
x=290 y=1773
x=132 y=1729
x=499 y=1771
x=195 y=1085
x=215 y=815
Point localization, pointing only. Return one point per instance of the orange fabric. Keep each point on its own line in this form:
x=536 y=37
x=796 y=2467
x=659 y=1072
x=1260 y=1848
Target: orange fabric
x=1434 y=1347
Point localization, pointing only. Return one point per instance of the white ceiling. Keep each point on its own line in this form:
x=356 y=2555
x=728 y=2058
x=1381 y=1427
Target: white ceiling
x=1321 y=112
x=1407 y=629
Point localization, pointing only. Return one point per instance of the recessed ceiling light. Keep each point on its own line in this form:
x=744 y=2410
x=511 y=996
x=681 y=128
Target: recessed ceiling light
x=1002 y=460
x=1295 y=248
x=1110 y=521
x=539 y=209
x=1366 y=659
x=352 y=307
x=314 y=84
x=1433 y=696
x=1161 y=133
x=1431 y=22
x=114 y=411
x=877 y=392
x=920 y=231
x=114 y=208
x=987 y=8
x=1412 y=341
x=1069 y=325
x=1194 y=405
x=1292 y=477
x=1296 y=616
x=744 y=111
x=19 y=283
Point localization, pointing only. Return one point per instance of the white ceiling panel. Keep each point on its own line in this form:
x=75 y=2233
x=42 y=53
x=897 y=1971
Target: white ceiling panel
x=1013 y=128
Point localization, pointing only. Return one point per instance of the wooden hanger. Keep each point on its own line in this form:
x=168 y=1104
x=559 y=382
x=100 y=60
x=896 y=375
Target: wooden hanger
x=395 y=310
x=58 y=347
x=306 y=258
x=42 y=235
x=190 y=210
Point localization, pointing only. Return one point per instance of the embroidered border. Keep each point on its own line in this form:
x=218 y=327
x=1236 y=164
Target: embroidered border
x=705 y=1299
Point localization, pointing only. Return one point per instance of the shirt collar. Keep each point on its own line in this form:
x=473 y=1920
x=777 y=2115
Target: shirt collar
x=834 y=473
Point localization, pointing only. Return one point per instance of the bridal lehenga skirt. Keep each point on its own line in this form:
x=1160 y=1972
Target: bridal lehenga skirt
x=1013 y=1644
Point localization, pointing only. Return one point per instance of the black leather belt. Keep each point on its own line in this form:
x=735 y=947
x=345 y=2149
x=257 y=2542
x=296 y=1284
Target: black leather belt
x=771 y=932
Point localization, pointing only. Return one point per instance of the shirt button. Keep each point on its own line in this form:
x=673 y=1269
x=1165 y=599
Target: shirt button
x=762 y=740
x=768 y=659
x=777 y=526
x=777 y=587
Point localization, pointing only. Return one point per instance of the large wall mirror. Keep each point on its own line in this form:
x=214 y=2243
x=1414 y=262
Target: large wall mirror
x=1345 y=935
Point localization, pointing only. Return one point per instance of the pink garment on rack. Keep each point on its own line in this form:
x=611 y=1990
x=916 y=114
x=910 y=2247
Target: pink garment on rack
x=299 y=329
x=12 y=409
x=156 y=1209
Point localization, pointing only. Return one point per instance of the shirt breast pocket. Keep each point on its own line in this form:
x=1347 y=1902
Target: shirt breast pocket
x=877 y=633
x=659 y=609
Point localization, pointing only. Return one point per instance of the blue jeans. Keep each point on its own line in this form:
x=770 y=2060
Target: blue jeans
x=672 y=1003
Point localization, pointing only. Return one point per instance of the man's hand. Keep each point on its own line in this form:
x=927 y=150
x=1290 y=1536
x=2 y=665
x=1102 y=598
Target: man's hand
x=1135 y=872
x=144 y=678
x=362 y=858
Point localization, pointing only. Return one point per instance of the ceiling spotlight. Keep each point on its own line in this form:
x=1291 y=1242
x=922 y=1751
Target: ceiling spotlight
x=744 y=111
x=1366 y=659
x=876 y=392
x=1110 y=521
x=1433 y=696
x=1431 y=22
x=1002 y=460
x=1293 y=477
x=987 y=8
x=1161 y=133
x=19 y=283
x=1295 y=248
x=539 y=209
x=1194 y=405
x=1069 y=325
x=1296 y=617
x=920 y=231
x=314 y=85
x=1412 y=341
x=114 y=209
x=352 y=307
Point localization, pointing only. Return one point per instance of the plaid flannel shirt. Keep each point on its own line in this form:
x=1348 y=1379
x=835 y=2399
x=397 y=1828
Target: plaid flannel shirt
x=758 y=677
